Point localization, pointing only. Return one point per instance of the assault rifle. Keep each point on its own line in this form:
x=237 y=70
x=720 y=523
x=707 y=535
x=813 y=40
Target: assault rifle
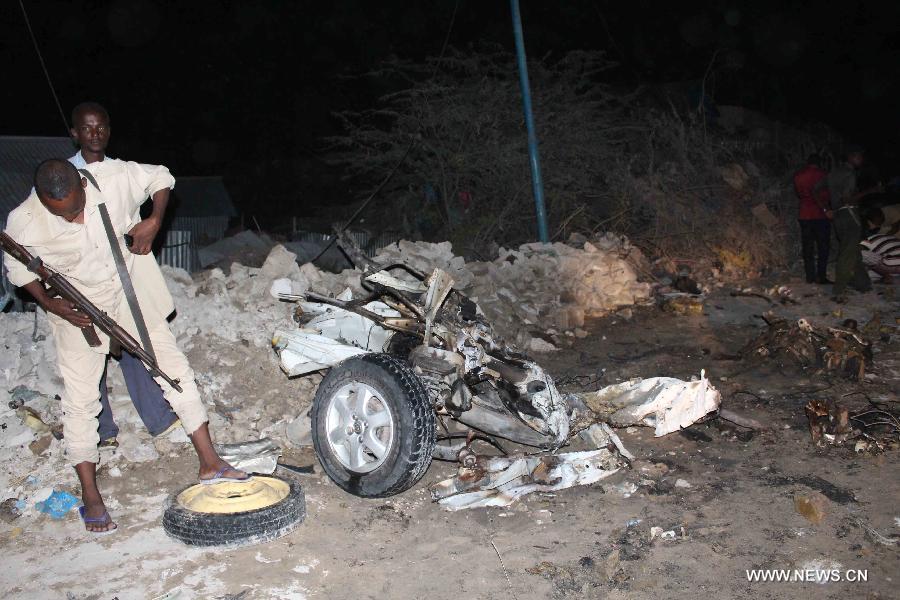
x=119 y=338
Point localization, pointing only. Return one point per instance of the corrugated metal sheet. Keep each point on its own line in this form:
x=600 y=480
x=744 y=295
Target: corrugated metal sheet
x=186 y=235
x=19 y=156
x=205 y=230
x=179 y=251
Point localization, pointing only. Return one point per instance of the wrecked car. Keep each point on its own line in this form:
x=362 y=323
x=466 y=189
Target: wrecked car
x=416 y=372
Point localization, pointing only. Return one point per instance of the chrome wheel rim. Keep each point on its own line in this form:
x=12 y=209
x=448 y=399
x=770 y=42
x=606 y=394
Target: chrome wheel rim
x=359 y=427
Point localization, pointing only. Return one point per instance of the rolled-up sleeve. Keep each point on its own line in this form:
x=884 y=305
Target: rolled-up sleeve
x=146 y=180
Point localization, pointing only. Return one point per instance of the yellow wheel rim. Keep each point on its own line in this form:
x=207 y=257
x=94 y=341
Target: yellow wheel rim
x=233 y=497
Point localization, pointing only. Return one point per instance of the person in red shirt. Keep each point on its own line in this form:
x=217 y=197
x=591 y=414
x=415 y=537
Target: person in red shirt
x=811 y=185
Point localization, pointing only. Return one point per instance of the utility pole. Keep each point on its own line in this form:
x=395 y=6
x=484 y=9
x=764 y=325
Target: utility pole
x=534 y=158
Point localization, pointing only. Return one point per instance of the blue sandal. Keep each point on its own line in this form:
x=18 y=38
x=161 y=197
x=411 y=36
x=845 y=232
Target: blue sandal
x=219 y=477
x=105 y=520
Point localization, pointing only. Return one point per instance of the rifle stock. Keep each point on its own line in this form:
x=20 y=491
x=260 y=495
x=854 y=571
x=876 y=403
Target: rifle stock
x=103 y=321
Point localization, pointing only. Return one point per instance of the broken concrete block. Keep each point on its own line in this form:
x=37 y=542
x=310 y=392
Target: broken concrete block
x=299 y=431
x=134 y=450
x=538 y=345
x=813 y=506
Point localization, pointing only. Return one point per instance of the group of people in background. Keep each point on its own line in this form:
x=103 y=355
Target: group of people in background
x=864 y=217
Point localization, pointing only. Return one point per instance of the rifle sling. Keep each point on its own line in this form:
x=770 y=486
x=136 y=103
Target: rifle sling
x=124 y=276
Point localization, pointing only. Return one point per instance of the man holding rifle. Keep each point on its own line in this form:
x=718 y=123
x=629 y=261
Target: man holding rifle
x=76 y=225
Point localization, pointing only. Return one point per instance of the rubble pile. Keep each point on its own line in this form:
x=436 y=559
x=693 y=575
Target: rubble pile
x=537 y=287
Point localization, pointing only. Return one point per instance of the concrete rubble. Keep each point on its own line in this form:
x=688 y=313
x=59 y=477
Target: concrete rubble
x=538 y=287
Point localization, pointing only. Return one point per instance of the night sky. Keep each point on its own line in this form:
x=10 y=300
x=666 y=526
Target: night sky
x=245 y=89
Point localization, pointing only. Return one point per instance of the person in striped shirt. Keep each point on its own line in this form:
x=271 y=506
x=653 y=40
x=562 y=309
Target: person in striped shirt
x=881 y=252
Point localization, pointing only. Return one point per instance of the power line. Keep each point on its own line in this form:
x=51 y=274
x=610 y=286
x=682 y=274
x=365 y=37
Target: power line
x=44 y=67
x=437 y=64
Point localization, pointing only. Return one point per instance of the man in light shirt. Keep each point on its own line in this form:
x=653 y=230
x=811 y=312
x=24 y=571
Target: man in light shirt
x=61 y=223
x=91 y=132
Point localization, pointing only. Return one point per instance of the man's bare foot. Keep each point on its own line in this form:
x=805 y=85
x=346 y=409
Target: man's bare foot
x=221 y=471
x=96 y=518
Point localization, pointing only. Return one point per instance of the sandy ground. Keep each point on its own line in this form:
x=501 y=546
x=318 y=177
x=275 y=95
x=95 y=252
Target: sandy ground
x=732 y=511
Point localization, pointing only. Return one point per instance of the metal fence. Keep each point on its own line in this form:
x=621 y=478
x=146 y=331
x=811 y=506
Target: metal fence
x=179 y=251
x=369 y=243
x=204 y=230
x=186 y=235
x=6 y=288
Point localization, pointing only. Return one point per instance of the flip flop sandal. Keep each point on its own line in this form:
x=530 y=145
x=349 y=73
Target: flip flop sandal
x=219 y=477
x=105 y=519
x=108 y=443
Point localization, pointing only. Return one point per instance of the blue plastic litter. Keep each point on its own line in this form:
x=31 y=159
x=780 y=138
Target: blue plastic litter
x=20 y=505
x=32 y=480
x=57 y=505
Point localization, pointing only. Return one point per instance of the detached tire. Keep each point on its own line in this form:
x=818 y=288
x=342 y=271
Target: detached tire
x=222 y=521
x=373 y=426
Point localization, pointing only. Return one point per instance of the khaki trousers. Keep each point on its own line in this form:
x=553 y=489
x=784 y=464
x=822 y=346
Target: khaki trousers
x=81 y=368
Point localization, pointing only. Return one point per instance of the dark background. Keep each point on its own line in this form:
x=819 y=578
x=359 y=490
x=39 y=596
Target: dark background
x=245 y=89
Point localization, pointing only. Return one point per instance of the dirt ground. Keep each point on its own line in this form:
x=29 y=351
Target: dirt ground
x=732 y=508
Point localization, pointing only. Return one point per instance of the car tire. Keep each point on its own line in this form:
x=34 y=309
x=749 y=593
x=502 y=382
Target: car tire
x=232 y=529
x=377 y=389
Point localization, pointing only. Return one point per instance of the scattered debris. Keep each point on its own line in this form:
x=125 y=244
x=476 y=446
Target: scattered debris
x=57 y=504
x=500 y=481
x=626 y=488
x=813 y=506
x=32 y=419
x=682 y=304
x=828 y=422
x=664 y=403
x=742 y=420
x=258 y=456
x=840 y=350
x=659 y=532
x=9 y=510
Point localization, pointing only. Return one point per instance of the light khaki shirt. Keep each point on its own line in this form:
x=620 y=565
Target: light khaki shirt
x=81 y=252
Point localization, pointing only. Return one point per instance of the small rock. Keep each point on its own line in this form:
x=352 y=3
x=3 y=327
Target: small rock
x=39 y=445
x=538 y=345
x=135 y=450
x=681 y=483
x=626 y=488
x=9 y=511
x=580 y=333
x=42 y=494
x=813 y=506
x=115 y=472
x=299 y=431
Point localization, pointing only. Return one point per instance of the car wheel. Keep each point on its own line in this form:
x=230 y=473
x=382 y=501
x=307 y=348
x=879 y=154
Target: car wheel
x=373 y=426
x=234 y=513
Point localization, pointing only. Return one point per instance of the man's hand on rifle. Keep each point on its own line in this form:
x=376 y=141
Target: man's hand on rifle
x=143 y=234
x=65 y=309
x=58 y=306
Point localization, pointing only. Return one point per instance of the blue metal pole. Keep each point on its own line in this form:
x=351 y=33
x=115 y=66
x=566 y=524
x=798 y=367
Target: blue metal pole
x=535 y=159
